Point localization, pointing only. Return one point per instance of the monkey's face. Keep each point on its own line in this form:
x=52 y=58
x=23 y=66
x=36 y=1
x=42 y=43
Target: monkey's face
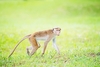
x=57 y=31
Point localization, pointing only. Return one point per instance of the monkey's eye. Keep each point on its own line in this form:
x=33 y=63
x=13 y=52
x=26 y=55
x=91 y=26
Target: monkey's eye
x=58 y=30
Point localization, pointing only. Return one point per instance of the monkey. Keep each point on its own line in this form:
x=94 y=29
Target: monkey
x=45 y=35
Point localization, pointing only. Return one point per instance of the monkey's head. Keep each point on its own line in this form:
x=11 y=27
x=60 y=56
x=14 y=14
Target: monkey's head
x=56 y=31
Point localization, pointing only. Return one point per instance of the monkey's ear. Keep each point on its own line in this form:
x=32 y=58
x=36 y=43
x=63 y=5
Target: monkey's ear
x=53 y=29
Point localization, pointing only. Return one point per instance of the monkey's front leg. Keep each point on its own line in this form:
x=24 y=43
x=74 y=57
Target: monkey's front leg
x=45 y=45
x=55 y=46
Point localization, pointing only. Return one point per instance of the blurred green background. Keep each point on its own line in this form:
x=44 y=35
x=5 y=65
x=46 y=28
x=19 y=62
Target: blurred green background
x=65 y=11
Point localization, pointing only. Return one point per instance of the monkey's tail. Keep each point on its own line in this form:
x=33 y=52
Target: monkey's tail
x=27 y=36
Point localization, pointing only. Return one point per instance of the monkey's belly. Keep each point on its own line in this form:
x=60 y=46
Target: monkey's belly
x=42 y=38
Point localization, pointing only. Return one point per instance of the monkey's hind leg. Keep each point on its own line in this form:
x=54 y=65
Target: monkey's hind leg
x=34 y=46
x=39 y=45
x=29 y=49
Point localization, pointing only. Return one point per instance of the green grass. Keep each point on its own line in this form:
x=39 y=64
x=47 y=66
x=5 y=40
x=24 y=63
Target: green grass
x=79 y=41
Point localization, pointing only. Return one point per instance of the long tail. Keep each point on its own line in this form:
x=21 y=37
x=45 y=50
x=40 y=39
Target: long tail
x=18 y=44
